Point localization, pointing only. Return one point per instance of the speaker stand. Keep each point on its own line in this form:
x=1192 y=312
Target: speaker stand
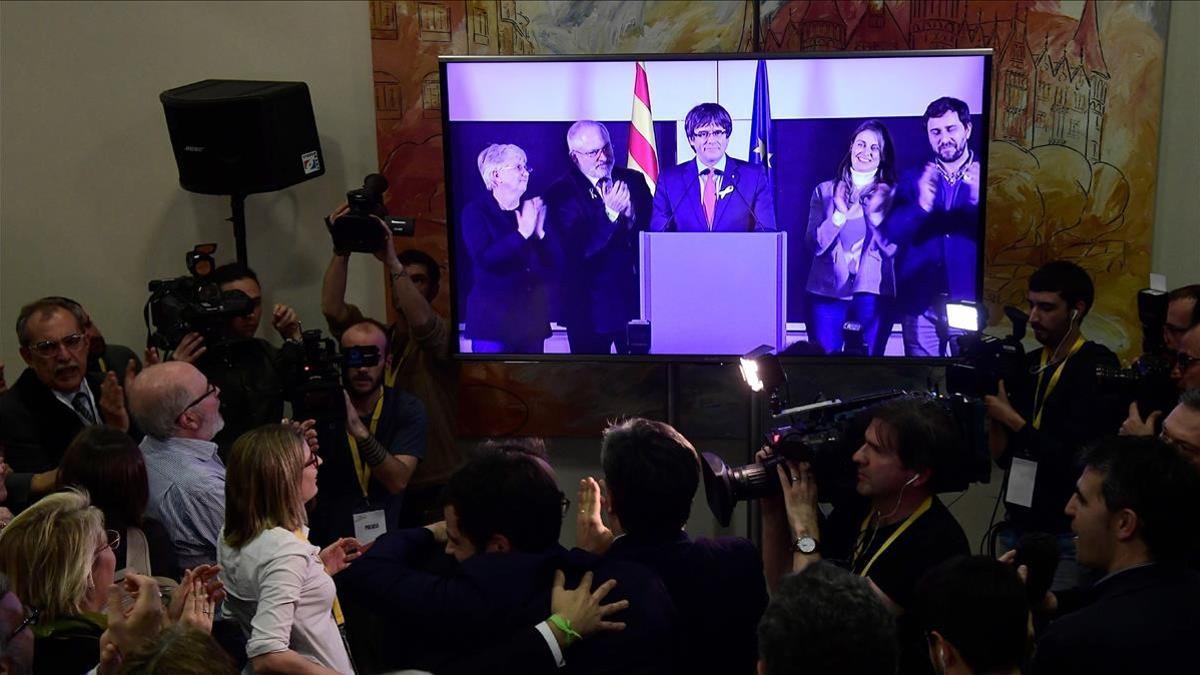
x=237 y=203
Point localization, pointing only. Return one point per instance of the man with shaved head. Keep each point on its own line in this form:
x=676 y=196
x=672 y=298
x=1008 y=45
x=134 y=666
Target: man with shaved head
x=179 y=409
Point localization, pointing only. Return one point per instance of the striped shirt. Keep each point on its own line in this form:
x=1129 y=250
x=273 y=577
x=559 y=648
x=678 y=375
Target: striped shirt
x=187 y=495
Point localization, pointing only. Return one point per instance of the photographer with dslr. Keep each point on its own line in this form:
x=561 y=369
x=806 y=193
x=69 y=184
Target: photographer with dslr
x=419 y=351
x=366 y=470
x=893 y=531
x=1054 y=411
x=252 y=373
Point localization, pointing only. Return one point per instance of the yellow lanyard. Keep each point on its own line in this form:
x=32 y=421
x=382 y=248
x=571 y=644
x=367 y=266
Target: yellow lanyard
x=389 y=378
x=895 y=535
x=1040 y=404
x=360 y=468
x=338 y=617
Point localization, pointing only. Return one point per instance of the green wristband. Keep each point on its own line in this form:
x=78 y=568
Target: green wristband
x=564 y=625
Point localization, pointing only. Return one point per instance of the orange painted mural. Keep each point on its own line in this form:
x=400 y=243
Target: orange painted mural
x=1076 y=108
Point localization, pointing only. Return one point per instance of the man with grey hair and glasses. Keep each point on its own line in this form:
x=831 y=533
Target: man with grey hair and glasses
x=179 y=409
x=599 y=208
x=52 y=400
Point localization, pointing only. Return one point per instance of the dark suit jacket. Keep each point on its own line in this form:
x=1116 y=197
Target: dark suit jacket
x=718 y=588
x=509 y=299
x=1142 y=620
x=750 y=206
x=437 y=619
x=600 y=274
x=35 y=429
x=937 y=251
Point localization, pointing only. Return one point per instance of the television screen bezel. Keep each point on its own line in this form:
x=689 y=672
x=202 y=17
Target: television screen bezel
x=451 y=216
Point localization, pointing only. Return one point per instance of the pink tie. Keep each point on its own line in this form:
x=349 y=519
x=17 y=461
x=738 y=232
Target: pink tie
x=710 y=196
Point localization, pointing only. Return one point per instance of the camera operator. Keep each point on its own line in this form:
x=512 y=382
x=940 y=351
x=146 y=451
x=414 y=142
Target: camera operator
x=420 y=348
x=893 y=531
x=1183 y=312
x=364 y=475
x=252 y=373
x=1054 y=411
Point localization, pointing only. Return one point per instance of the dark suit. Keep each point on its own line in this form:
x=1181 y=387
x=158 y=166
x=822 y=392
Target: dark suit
x=749 y=206
x=435 y=619
x=600 y=274
x=509 y=300
x=1141 y=621
x=35 y=430
x=718 y=588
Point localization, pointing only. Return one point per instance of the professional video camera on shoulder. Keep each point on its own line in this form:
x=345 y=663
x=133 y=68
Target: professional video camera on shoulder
x=317 y=392
x=984 y=360
x=193 y=304
x=827 y=434
x=356 y=231
x=1148 y=379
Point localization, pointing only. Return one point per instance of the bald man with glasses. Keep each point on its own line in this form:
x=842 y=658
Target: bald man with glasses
x=52 y=400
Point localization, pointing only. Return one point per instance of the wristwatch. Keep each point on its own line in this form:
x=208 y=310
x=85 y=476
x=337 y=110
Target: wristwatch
x=805 y=544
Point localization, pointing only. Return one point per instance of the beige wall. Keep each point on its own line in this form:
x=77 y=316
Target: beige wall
x=1176 y=251
x=90 y=203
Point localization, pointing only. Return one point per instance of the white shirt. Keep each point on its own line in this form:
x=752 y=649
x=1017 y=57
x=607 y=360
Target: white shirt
x=282 y=598
x=69 y=396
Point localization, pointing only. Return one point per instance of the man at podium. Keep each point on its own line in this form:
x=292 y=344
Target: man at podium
x=714 y=192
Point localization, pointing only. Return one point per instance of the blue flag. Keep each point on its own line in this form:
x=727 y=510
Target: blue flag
x=761 y=135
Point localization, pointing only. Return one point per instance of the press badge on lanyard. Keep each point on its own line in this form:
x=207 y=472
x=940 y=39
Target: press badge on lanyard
x=369 y=523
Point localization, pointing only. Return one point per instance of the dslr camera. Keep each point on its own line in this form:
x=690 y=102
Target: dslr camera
x=192 y=304
x=356 y=230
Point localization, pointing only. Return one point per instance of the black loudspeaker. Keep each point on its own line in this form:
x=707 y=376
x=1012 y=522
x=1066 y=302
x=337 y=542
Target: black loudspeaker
x=241 y=137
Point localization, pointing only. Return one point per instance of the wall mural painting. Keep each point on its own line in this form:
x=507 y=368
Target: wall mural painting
x=1076 y=108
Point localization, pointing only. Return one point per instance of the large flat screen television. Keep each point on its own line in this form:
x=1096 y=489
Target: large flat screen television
x=675 y=207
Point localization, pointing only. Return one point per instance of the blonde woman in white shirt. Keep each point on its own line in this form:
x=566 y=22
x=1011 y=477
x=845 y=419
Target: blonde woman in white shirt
x=279 y=586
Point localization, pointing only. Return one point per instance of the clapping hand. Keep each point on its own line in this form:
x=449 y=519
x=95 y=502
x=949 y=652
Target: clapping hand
x=112 y=400
x=338 y=555
x=128 y=629
x=591 y=534
x=616 y=198
x=972 y=177
x=927 y=187
x=527 y=217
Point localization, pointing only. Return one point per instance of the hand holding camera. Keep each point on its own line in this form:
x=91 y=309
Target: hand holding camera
x=354 y=226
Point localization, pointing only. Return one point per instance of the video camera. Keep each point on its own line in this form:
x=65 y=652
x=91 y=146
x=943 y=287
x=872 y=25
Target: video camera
x=1148 y=379
x=317 y=390
x=826 y=435
x=984 y=359
x=192 y=304
x=356 y=230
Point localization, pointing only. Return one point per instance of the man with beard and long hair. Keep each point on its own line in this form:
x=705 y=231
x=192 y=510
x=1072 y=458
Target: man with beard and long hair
x=367 y=470
x=936 y=226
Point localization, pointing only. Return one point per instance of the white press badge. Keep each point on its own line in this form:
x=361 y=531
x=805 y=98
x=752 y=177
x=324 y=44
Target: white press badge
x=369 y=526
x=1021 y=476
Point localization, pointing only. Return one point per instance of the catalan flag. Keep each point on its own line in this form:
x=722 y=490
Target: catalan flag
x=643 y=152
x=761 y=139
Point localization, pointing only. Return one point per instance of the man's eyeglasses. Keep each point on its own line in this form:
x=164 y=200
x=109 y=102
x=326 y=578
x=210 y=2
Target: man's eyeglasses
x=1184 y=361
x=593 y=154
x=50 y=347
x=212 y=389
x=566 y=505
x=705 y=135
x=30 y=619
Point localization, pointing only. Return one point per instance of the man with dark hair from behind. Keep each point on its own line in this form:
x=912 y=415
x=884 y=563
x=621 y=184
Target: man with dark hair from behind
x=1056 y=408
x=827 y=621
x=1136 y=513
x=503 y=514
x=651 y=474
x=975 y=613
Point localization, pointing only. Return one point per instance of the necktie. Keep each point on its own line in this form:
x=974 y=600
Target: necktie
x=82 y=406
x=710 y=196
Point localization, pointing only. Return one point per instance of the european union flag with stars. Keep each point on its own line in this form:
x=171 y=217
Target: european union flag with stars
x=761 y=139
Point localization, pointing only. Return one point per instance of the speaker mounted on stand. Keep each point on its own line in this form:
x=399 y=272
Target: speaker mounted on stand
x=242 y=137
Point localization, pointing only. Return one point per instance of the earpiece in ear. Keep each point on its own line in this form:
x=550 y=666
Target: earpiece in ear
x=910 y=480
x=1074 y=314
